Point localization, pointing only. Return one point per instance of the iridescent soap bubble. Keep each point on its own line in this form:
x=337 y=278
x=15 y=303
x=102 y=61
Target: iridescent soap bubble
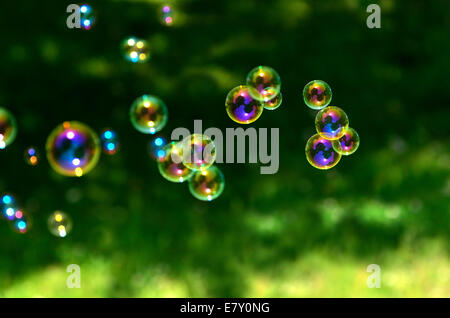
x=167 y=15
x=348 y=143
x=171 y=166
x=241 y=106
x=320 y=153
x=199 y=152
x=317 y=94
x=208 y=184
x=274 y=103
x=264 y=83
x=73 y=149
x=331 y=122
x=8 y=128
x=31 y=156
x=109 y=141
x=156 y=148
x=59 y=224
x=87 y=16
x=135 y=50
x=148 y=114
x=21 y=223
x=8 y=206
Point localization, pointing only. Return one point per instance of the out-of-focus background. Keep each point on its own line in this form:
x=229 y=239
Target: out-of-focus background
x=300 y=232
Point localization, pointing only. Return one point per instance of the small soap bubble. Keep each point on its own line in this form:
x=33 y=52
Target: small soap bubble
x=208 y=184
x=73 y=149
x=31 y=156
x=21 y=223
x=8 y=128
x=171 y=166
x=264 y=83
x=348 y=143
x=199 y=152
x=110 y=141
x=156 y=148
x=8 y=207
x=274 y=103
x=167 y=15
x=331 y=122
x=135 y=50
x=317 y=94
x=59 y=224
x=87 y=16
x=320 y=153
x=241 y=106
x=148 y=114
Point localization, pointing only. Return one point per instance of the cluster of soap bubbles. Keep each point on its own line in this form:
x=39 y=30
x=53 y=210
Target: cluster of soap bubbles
x=245 y=103
x=334 y=137
x=11 y=211
x=192 y=159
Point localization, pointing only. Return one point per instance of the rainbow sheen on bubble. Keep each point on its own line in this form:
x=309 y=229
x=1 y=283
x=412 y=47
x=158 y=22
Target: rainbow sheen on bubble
x=109 y=141
x=156 y=148
x=264 y=83
x=274 y=103
x=317 y=94
x=171 y=166
x=59 y=224
x=21 y=223
x=87 y=16
x=31 y=156
x=199 y=152
x=135 y=50
x=148 y=114
x=320 y=153
x=348 y=143
x=8 y=207
x=241 y=106
x=331 y=122
x=73 y=149
x=8 y=128
x=167 y=15
x=208 y=184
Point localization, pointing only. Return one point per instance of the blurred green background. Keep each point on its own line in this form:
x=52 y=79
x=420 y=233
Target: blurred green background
x=299 y=233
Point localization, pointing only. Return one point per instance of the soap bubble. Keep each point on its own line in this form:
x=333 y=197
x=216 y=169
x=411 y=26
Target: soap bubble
x=264 y=83
x=167 y=15
x=156 y=148
x=21 y=224
x=87 y=16
x=171 y=166
x=73 y=149
x=59 y=224
x=241 y=106
x=148 y=114
x=320 y=153
x=109 y=141
x=274 y=103
x=135 y=50
x=199 y=152
x=8 y=128
x=348 y=143
x=8 y=206
x=208 y=184
x=331 y=122
x=317 y=94
x=31 y=156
